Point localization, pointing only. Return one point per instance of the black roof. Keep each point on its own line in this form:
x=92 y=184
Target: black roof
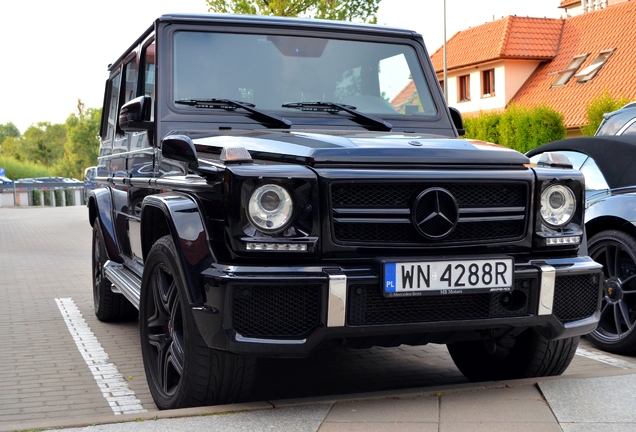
x=270 y=21
x=614 y=155
x=267 y=21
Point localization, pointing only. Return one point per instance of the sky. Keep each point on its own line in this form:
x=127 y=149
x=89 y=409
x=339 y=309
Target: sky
x=53 y=53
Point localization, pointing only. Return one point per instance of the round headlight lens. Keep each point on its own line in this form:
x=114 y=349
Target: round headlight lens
x=558 y=205
x=270 y=208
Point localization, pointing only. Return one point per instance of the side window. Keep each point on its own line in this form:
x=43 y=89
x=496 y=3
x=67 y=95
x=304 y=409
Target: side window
x=130 y=69
x=631 y=130
x=149 y=75
x=112 y=106
x=594 y=179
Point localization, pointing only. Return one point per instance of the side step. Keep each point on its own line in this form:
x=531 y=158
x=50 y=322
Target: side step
x=124 y=281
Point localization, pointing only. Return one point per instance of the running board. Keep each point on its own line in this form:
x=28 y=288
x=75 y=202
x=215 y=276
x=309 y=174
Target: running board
x=124 y=281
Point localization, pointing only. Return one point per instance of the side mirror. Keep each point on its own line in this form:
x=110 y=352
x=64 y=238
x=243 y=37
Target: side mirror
x=135 y=115
x=456 y=117
x=554 y=160
x=180 y=148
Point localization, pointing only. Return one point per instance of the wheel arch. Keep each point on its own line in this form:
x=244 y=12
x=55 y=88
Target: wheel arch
x=603 y=223
x=179 y=216
x=100 y=208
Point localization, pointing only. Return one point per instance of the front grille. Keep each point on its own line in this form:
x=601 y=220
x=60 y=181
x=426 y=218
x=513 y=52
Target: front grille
x=367 y=306
x=367 y=213
x=275 y=311
x=576 y=297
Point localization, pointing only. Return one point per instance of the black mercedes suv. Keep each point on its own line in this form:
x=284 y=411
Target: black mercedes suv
x=270 y=185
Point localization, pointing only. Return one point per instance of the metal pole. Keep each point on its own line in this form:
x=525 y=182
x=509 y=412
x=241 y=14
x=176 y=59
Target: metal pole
x=445 y=71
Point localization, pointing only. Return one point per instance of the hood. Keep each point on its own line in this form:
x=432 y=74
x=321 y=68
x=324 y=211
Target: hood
x=369 y=147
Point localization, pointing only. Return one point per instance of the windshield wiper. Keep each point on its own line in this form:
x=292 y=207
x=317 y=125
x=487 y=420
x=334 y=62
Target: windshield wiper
x=336 y=107
x=228 y=104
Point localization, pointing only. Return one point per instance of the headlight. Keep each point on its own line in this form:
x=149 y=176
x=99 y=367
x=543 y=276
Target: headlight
x=557 y=205
x=270 y=208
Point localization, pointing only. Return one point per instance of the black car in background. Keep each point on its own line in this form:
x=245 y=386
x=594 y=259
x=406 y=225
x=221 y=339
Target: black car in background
x=609 y=166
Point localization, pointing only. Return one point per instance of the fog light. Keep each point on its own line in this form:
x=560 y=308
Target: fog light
x=563 y=240
x=284 y=247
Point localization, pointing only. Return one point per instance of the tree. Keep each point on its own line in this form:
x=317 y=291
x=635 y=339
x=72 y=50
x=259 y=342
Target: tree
x=8 y=130
x=82 y=141
x=42 y=143
x=599 y=105
x=342 y=10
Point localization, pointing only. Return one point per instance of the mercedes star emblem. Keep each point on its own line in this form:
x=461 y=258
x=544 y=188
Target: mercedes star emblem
x=435 y=213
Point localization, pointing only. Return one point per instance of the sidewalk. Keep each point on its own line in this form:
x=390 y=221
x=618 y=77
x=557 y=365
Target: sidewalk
x=572 y=403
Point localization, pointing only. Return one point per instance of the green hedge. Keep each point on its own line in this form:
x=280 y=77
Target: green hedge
x=17 y=169
x=517 y=127
x=69 y=196
x=58 y=198
x=36 y=197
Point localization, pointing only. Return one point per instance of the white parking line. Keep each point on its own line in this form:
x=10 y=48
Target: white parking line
x=121 y=399
x=622 y=364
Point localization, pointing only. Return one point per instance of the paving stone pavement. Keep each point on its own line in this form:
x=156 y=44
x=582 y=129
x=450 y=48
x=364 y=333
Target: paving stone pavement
x=45 y=255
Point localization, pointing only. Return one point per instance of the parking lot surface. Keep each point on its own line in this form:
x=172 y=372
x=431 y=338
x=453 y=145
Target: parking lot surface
x=60 y=366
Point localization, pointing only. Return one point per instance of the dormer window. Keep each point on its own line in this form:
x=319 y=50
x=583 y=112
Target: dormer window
x=569 y=71
x=590 y=72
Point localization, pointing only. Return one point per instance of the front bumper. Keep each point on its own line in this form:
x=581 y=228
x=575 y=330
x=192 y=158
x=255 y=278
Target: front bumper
x=291 y=311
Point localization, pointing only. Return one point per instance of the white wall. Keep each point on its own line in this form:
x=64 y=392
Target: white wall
x=510 y=75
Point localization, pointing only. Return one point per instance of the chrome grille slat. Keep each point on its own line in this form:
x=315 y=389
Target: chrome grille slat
x=368 y=213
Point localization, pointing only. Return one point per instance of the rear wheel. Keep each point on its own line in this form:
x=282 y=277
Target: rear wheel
x=616 y=252
x=524 y=356
x=182 y=371
x=109 y=306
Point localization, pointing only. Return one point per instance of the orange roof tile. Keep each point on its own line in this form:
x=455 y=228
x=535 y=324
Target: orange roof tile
x=566 y=3
x=591 y=33
x=507 y=38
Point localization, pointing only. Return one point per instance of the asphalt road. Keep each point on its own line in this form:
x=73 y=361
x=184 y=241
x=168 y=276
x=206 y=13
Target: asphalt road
x=57 y=361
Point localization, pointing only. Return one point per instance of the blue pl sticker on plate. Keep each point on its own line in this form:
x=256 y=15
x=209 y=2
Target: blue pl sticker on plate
x=389 y=277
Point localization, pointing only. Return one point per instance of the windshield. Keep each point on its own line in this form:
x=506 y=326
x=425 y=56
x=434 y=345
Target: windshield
x=270 y=71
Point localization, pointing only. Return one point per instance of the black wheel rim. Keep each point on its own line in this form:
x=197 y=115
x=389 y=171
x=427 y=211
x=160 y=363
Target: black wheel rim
x=618 y=308
x=97 y=270
x=137 y=208
x=164 y=336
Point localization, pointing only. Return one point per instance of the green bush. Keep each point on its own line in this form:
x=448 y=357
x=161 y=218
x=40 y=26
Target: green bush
x=599 y=105
x=47 y=198
x=484 y=127
x=18 y=169
x=68 y=194
x=58 y=198
x=517 y=127
x=37 y=197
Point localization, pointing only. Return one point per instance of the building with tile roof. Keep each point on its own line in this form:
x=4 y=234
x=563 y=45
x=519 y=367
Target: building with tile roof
x=562 y=63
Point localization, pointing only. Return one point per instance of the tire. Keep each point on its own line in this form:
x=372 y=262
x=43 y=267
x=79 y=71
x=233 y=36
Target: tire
x=136 y=207
x=525 y=356
x=616 y=331
x=109 y=306
x=181 y=370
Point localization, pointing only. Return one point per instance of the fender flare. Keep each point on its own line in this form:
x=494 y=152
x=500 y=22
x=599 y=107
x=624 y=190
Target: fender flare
x=183 y=220
x=100 y=207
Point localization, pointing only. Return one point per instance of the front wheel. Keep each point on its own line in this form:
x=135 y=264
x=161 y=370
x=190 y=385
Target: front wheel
x=524 y=356
x=616 y=252
x=181 y=370
x=109 y=306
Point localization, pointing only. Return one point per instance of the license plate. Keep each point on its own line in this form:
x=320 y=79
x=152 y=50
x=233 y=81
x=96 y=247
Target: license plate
x=447 y=277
